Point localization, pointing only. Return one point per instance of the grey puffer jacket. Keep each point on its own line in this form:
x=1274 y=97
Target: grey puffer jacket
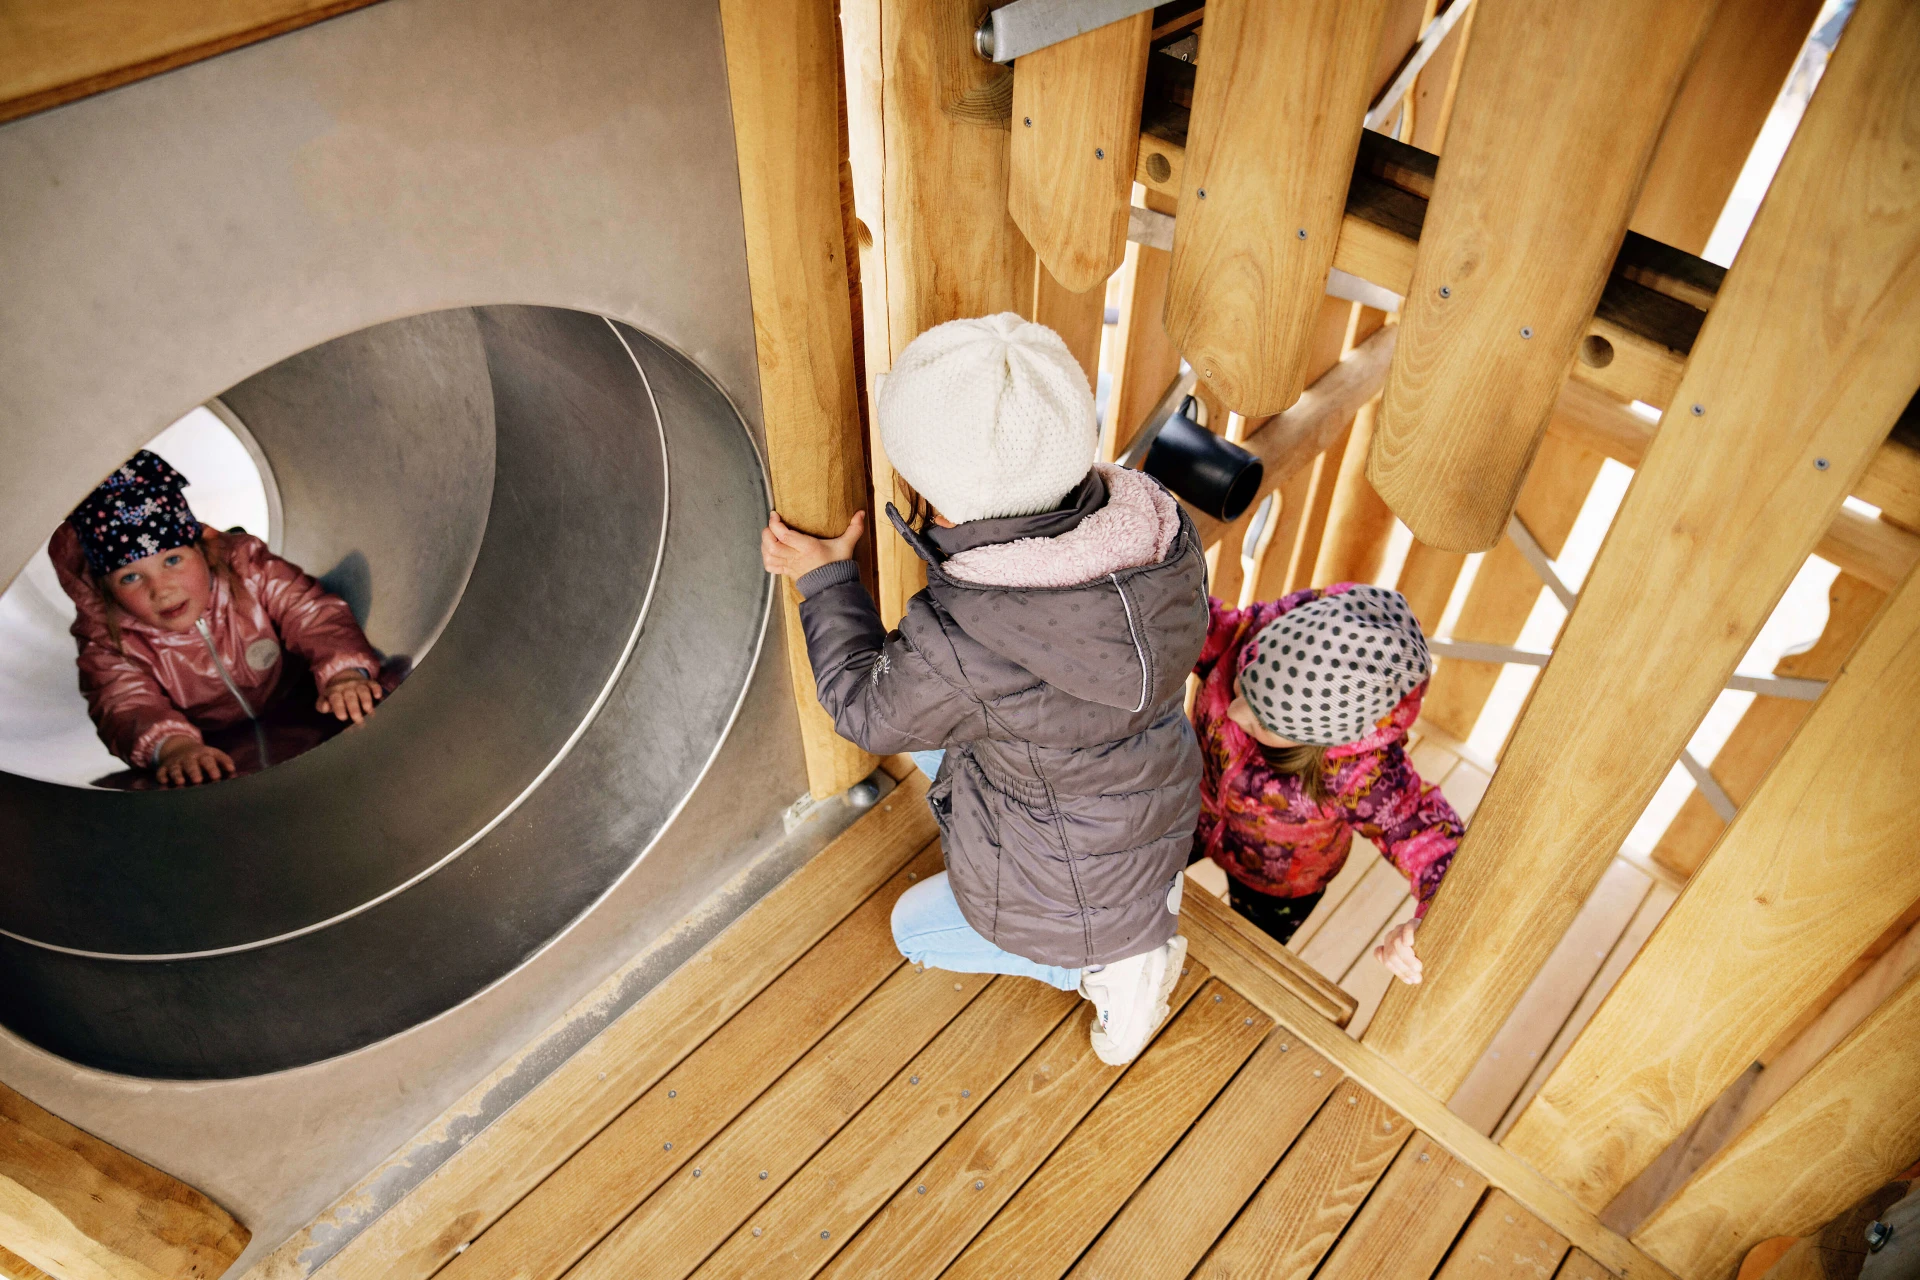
x=1070 y=791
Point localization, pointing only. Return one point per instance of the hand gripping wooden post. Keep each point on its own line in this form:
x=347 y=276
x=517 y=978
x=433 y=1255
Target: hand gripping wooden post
x=1558 y=111
x=1275 y=127
x=1801 y=369
x=781 y=72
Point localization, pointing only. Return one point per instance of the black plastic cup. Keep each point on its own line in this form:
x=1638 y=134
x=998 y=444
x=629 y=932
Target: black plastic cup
x=1211 y=472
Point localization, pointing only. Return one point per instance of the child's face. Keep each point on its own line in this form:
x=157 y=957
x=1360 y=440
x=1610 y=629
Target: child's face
x=1242 y=714
x=167 y=590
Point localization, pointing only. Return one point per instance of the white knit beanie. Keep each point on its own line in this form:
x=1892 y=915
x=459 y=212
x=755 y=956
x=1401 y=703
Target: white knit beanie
x=989 y=417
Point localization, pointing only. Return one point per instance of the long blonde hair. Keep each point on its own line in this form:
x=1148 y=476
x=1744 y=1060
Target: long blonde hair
x=212 y=546
x=1303 y=761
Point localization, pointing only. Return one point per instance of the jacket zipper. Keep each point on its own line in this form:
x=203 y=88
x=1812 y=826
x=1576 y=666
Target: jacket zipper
x=200 y=625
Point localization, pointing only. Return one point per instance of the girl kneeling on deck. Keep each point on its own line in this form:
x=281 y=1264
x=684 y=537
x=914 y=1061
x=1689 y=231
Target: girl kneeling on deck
x=1302 y=717
x=1047 y=657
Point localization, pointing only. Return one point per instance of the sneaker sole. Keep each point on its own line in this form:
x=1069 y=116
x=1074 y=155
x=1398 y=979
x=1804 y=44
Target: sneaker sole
x=1103 y=1046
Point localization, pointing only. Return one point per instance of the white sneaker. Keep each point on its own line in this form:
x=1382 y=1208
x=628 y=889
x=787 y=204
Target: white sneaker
x=1130 y=999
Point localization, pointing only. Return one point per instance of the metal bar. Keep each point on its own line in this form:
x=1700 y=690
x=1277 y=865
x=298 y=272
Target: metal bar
x=1537 y=557
x=1029 y=25
x=1155 y=230
x=1150 y=228
x=1779 y=687
x=1437 y=30
x=1710 y=789
x=1476 y=651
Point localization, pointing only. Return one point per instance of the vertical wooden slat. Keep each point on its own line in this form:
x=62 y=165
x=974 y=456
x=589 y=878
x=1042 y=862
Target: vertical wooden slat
x=1850 y=1125
x=1748 y=50
x=1793 y=400
x=1427 y=579
x=1145 y=359
x=1275 y=127
x=1504 y=1242
x=1076 y=133
x=1076 y=317
x=1435 y=90
x=1521 y=233
x=782 y=75
x=1813 y=869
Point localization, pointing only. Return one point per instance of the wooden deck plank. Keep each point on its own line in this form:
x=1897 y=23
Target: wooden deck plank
x=1722 y=514
x=1411 y=1218
x=1367 y=979
x=1059 y=1211
x=1503 y=1069
x=931 y=1219
x=818 y=1210
x=1578 y=1266
x=1504 y=1242
x=1358 y=921
x=696 y=1210
x=513 y=1155
x=1297 y=1214
x=1521 y=233
x=586 y=1197
x=1317 y=990
x=1812 y=870
x=1465 y=788
x=1166 y=1228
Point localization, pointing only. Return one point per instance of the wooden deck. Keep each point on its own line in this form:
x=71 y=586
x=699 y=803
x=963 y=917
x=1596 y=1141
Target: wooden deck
x=798 y=1101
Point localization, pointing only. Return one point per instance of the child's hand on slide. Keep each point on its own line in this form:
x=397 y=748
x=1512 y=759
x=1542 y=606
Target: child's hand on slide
x=182 y=762
x=787 y=551
x=349 y=696
x=1396 y=952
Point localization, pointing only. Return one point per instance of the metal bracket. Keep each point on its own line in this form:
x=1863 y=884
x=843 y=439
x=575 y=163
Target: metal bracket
x=1026 y=26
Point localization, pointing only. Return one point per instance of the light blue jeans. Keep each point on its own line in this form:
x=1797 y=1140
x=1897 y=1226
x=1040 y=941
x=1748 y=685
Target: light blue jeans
x=929 y=930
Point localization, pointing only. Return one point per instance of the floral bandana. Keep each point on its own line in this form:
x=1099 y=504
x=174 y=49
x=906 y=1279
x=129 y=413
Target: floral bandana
x=136 y=512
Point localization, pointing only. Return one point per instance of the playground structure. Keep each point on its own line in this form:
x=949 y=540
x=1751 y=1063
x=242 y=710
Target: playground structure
x=1434 y=267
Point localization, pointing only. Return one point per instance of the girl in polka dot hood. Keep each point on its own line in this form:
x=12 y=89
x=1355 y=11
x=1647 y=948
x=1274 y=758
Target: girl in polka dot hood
x=1302 y=718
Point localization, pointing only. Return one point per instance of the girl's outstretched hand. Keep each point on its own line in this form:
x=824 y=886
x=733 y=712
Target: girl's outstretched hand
x=349 y=696
x=787 y=551
x=1396 y=952
x=182 y=762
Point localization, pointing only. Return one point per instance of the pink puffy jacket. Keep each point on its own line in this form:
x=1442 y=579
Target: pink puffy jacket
x=157 y=684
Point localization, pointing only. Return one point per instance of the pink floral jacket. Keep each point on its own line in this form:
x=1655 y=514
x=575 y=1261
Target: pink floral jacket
x=1262 y=828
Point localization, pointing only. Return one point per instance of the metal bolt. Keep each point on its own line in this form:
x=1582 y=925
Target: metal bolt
x=956 y=986
x=1285 y=1047
x=1249 y=1022
x=673 y=1093
x=668 y=1147
x=763 y=1175
x=1216 y=999
x=922 y=1188
x=913 y=875
x=1878 y=1233
x=1699 y=411
x=966 y=1093
x=1425 y=1156
x=1316 y=1073
x=863 y=795
x=696 y=1173
x=1302 y=233
x=1352 y=1101
x=1821 y=464
x=913 y=1079
x=1202 y=193
x=1446 y=291
x=1099 y=153
x=1526 y=331
x=1027 y=120
x=756 y=1231
x=825 y=1235
x=979 y=1186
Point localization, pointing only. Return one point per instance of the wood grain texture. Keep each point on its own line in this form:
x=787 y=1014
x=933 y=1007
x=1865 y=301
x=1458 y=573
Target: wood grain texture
x=1309 y=986
x=1767 y=725
x=1275 y=126
x=1410 y=1220
x=999 y=1147
x=1358 y=522
x=77 y=1207
x=1722 y=513
x=1851 y=1124
x=1088 y=1178
x=1076 y=133
x=782 y=73
x=1749 y=47
x=15 y=1267
x=1522 y=232
x=1255 y=980
x=1438 y=86
x=578 y=1203
x=1304 y=1206
x=697 y=1209
x=818 y=1210
x=1427 y=579
x=1077 y=317
x=1166 y=1227
x=1145 y=361
x=60 y=52
x=1578 y=1266
x=511 y=1156
x=1811 y=871
x=1352 y=928
x=1504 y=1242
x=1275 y=560
x=1367 y=980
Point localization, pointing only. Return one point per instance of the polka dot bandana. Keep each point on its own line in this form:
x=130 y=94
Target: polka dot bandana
x=136 y=512
x=1327 y=671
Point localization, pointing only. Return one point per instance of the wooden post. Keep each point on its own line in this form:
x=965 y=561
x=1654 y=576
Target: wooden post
x=1848 y=1127
x=1792 y=402
x=1434 y=91
x=783 y=75
x=1145 y=360
x=1076 y=134
x=1812 y=870
x=1275 y=126
x=80 y=1209
x=1357 y=521
x=1519 y=239
x=1427 y=579
x=1076 y=317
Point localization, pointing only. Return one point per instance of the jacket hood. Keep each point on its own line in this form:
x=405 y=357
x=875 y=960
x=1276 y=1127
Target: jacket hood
x=1126 y=636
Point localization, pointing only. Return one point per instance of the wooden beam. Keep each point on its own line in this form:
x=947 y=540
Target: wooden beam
x=1205 y=925
x=1275 y=125
x=1811 y=871
x=1793 y=402
x=1749 y=48
x=1076 y=112
x=61 y=52
x=74 y=1206
x=1517 y=246
x=782 y=74
x=1850 y=1125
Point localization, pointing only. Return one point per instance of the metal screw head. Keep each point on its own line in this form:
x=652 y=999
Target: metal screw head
x=673 y=1093
x=667 y=1147
x=763 y=1175
x=913 y=1079
x=1878 y=1233
x=1446 y=291
x=966 y=1093
x=1316 y=1073
x=1099 y=153
x=1249 y=1022
x=756 y=1231
x=1699 y=411
x=696 y=1173
x=1302 y=233
x=1216 y=999
x=1526 y=331
x=979 y=1186
x=1202 y=193
x=1425 y=1156
x=1285 y=1048
x=922 y=1188
x=826 y=1235
x=1821 y=464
